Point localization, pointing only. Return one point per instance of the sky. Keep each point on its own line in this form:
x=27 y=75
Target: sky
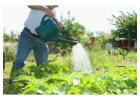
x=94 y=18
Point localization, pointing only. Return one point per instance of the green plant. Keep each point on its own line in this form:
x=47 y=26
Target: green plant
x=9 y=54
x=115 y=81
x=126 y=25
x=9 y=38
x=121 y=52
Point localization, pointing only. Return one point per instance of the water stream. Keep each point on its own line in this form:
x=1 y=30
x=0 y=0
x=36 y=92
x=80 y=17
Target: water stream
x=80 y=60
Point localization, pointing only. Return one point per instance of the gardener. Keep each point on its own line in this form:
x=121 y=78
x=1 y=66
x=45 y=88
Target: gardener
x=29 y=39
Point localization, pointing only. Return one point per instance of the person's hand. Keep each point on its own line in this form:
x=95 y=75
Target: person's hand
x=48 y=12
x=59 y=25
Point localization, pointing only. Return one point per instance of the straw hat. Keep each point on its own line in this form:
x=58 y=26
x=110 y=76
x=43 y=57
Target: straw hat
x=52 y=6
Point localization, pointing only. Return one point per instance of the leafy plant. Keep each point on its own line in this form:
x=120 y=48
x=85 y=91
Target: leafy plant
x=126 y=25
x=121 y=52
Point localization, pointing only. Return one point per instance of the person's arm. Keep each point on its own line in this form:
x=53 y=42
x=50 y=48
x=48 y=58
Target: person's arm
x=42 y=8
x=59 y=25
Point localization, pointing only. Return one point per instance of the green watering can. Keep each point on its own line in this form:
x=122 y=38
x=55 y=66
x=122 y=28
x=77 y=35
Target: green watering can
x=48 y=31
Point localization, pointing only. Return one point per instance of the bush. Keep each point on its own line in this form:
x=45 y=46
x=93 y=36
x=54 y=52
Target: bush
x=9 y=38
x=102 y=39
x=72 y=30
x=126 y=25
x=9 y=54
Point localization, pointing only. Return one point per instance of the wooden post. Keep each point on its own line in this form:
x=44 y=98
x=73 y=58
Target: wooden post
x=3 y=60
x=5 y=57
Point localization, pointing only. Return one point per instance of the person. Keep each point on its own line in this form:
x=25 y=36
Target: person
x=29 y=39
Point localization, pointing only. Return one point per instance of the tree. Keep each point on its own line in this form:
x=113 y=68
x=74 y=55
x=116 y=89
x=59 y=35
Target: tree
x=103 y=38
x=72 y=30
x=126 y=25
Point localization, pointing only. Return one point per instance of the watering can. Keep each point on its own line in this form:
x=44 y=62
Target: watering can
x=48 y=31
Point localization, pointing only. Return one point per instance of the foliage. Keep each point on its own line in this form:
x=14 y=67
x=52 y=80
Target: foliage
x=126 y=26
x=116 y=81
x=5 y=37
x=56 y=77
x=9 y=54
x=72 y=30
x=121 y=52
x=9 y=50
x=101 y=59
x=102 y=39
x=9 y=38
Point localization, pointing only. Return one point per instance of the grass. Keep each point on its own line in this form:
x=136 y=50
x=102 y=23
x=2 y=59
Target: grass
x=101 y=59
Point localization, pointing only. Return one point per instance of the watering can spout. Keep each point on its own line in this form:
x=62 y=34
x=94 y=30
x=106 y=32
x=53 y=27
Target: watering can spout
x=65 y=40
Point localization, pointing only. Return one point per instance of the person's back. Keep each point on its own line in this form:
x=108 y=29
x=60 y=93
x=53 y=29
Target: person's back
x=34 y=19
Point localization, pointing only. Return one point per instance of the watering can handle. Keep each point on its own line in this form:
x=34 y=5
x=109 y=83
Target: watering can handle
x=45 y=17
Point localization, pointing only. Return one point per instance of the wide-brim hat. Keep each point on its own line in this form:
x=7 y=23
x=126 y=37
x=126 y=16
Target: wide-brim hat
x=52 y=5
